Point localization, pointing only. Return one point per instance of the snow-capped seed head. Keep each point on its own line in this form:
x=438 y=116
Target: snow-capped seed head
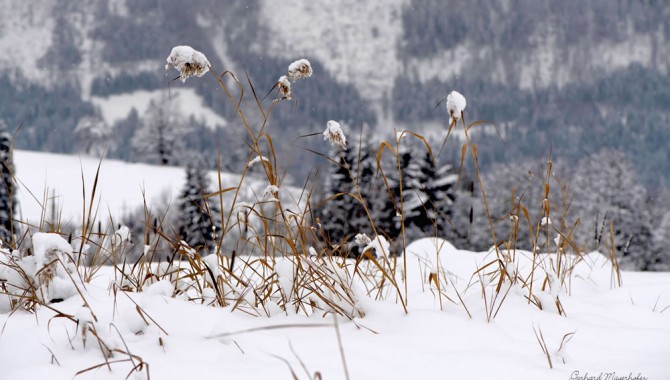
x=188 y=61
x=271 y=193
x=299 y=69
x=334 y=134
x=456 y=105
x=362 y=239
x=284 y=87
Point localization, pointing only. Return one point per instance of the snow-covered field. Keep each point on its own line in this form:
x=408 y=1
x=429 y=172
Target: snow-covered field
x=617 y=330
x=117 y=107
x=120 y=188
x=604 y=330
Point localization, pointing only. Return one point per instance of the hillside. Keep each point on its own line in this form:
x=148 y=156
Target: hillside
x=55 y=182
x=569 y=78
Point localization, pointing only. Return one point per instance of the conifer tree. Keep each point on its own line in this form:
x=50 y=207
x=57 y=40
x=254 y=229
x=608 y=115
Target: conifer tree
x=416 y=202
x=160 y=136
x=198 y=218
x=335 y=213
x=93 y=135
x=438 y=183
x=7 y=194
x=606 y=185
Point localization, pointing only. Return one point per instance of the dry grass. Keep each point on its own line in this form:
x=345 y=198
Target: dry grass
x=283 y=261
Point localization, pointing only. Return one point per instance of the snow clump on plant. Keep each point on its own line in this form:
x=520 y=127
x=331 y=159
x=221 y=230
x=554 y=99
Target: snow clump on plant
x=456 y=105
x=188 y=61
x=299 y=69
x=284 y=87
x=362 y=239
x=334 y=134
x=271 y=193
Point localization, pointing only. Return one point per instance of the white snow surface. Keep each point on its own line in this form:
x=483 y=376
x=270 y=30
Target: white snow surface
x=44 y=242
x=616 y=330
x=358 y=46
x=58 y=178
x=381 y=246
x=25 y=36
x=117 y=107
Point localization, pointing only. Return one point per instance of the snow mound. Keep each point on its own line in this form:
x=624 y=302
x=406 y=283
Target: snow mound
x=380 y=245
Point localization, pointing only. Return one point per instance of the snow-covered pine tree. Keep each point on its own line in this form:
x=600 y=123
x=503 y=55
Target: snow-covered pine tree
x=461 y=222
x=160 y=137
x=364 y=171
x=335 y=213
x=523 y=180
x=124 y=130
x=416 y=201
x=197 y=218
x=662 y=242
x=428 y=193
x=606 y=184
x=438 y=184
x=387 y=208
x=7 y=196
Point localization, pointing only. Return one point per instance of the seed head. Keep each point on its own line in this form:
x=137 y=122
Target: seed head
x=299 y=69
x=188 y=61
x=334 y=134
x=456 y=105
x=284 y=87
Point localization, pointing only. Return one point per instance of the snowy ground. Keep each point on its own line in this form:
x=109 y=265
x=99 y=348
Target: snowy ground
x=623 y=330
x=117 y=107
x=120 y=190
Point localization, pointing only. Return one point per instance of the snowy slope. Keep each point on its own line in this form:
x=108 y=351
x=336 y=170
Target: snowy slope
x=538 y=67
x=617 y=331
x=120 y=187
x=117 y=107
x=25 y=36
x=356 y=41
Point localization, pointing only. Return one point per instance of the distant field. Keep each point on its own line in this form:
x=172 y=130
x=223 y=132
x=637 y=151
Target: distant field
x=120 y=189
